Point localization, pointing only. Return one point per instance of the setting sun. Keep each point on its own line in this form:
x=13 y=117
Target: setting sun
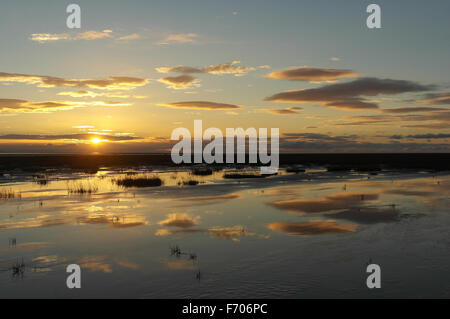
x=96 y=141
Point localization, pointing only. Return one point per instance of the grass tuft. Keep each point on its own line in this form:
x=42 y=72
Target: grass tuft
x=138 y=181
x=82 y=189
x=6 y=194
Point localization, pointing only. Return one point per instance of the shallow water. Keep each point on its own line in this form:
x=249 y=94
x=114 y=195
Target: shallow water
x=300 y=235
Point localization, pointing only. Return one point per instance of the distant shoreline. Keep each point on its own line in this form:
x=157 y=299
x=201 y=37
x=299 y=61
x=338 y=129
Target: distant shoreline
x=335 y=162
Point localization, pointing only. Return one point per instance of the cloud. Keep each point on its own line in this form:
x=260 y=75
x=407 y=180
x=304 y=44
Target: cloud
x=311 y=74
x=421 y=136
x=313 y=228
x=436 y=99
x=179 y=220
x=129 y=37
x=288 y=111
x=80 y=137
x=179 y=69
x=111 y=83
x=228 y=68
x=349 y=96
x=24 y=106
x=180 y=38
x=48 y=37
x=88 y=35
x=321 y=143
x=79 y=94
x=93 y=35
x=412 y=110
x=218 y=69
x=202 y=105
x=180 y=82
x=435 y=119
x=335 y=59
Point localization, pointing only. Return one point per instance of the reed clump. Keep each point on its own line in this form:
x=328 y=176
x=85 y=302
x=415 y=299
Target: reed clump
x=9 y=193
x=138 y=181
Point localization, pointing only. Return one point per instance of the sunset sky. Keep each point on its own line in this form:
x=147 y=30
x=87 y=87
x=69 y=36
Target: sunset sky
x=136 y=70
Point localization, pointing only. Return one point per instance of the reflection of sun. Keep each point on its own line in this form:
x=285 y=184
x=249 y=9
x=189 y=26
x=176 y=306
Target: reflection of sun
x=96 y=140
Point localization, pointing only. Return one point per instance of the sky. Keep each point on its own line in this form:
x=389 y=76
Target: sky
x=136 y=70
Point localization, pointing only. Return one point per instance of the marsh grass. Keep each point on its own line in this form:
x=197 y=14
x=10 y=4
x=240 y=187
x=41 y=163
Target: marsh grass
x=6 y=194
x=18 y=269
x=41 y=180
x=138 y=181
x=243 y=175
x=190 y=182
x=82 y=189
x=202 y=172
x=295 y=170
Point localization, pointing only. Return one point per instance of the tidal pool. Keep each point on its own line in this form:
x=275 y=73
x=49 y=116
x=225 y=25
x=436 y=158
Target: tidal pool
x=305 y=235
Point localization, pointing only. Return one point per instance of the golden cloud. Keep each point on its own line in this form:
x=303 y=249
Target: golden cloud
x=24 y=106
x=180 y=82
x=111 y=83
x=311 y=74
x=287 y=111
x=202 y=105
x=179 y=38
x=218 y=69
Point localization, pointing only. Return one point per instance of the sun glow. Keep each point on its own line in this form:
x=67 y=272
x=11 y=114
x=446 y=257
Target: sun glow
x=96 y=140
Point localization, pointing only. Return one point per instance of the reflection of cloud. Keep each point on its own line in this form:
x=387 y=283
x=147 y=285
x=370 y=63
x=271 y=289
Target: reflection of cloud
x=113 y=221
x=178 y=264
x=313 y=228
x=348 y=96
x=179 y=220
x=95 y=263
x=368 y=215
x=326 y=203
x=180 y=82
x=110 y=83
x=210 y=198
x=202 y=105
x=311 y=74
x=233 y=232
x=127 y=264
x=28 y=246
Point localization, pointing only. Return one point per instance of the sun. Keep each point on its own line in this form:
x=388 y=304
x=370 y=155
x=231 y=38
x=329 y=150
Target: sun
x=96 y=140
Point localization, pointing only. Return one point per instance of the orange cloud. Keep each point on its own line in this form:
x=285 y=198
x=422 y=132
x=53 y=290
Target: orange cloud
x=202 y=105
x=111 y=83
x=180 y=82
x=311 y=74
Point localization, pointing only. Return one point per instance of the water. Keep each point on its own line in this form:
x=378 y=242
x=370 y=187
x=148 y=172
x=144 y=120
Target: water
x=300 y=235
